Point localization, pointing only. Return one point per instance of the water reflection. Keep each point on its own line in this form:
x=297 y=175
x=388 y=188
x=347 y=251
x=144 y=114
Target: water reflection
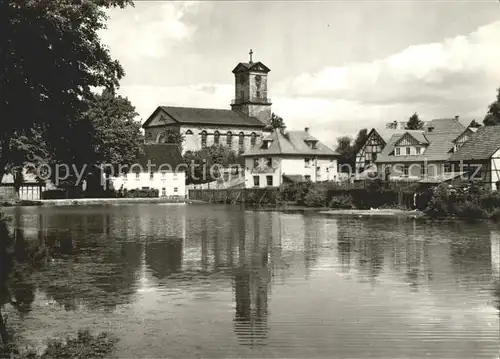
x=345 y=281
x=251 y=282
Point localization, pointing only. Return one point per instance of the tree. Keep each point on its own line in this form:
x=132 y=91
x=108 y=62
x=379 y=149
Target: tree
x=277 y=121
x=492 y=117
x=360 y=140
x=474 y=124
x=344 y=148
x=205 y=165
x=172 y=136
x=51 y=59
x=414 y=123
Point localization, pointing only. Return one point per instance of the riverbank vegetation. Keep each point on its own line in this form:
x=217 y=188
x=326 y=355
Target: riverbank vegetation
x=475 y=203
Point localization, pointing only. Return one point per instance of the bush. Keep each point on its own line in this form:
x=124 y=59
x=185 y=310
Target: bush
x=495 y=215
x=142 y=193
x=440 y=203
x=341 y=202
x=315 y=197
x=469 y=210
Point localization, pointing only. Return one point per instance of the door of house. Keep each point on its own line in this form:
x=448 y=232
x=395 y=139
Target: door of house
x=163 y=192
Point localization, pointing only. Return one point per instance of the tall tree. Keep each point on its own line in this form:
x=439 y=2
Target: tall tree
x=414 y=123
x=492 y=117
x=277 y=121
x=51 y=58
x=359 y=141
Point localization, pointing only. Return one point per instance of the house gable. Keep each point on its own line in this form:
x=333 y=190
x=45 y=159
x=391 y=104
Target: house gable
x=408 y=140
x=159 y=118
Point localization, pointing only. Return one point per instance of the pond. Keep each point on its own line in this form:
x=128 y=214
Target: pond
x=217 y=281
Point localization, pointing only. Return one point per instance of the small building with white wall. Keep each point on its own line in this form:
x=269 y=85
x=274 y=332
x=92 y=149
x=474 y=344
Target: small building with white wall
x=289 y=156
x=161 y=167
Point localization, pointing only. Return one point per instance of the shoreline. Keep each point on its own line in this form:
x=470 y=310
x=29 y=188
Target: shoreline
x=91 y=201
x=376 y=212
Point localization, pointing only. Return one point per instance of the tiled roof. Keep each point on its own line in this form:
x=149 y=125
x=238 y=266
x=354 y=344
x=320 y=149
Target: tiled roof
x=207 y=116
x=419 y=136
x=480 y=146
x=290 y=143
x=160 y=155
x=443 y=177
x=440 y=140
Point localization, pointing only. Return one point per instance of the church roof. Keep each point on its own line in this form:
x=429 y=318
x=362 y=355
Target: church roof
x=289 y=143
x=251 y=66
x=205 y=116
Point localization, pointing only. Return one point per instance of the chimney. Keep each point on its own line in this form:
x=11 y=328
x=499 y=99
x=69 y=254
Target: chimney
x=456 y=117
x=306 y=129
x=430 y=128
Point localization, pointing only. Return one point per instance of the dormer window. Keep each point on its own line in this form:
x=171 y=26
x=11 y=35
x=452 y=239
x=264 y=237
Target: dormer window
x=312 y=144
x=397 y=151
x=266 y=144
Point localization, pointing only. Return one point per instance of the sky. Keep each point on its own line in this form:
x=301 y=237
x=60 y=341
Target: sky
x=336 y=66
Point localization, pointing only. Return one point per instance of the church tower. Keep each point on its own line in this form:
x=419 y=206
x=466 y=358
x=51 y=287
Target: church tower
x=251 y=90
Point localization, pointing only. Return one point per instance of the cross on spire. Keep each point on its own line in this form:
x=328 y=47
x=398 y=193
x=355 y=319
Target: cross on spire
x=250 y=53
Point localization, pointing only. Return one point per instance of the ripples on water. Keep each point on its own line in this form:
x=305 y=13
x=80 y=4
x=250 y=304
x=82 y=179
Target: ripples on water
x=190 y=281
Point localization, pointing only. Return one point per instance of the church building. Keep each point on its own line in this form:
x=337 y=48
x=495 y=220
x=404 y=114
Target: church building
x=238 y=128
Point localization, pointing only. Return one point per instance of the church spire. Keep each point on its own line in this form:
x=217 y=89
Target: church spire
x=251 y=53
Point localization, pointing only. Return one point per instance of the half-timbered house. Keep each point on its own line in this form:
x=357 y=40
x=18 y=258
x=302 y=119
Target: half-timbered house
x=479 y=157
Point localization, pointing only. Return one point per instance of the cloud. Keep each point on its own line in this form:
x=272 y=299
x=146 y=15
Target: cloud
x=148 y=30
x=457 y=76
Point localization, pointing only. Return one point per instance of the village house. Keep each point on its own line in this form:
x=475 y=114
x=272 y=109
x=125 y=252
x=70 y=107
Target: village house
x=30 y=189
x=418 y=154
x=166 y=172
x=378 y=138
x=238 y=128
x=289 y=156
x=478 y=159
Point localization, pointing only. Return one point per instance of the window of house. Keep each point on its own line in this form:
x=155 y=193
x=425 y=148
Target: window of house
x=265 y=145
x=408 y=150
x=405 y=170
x=255 y=162
x=176 y=189
x=163 y=192
x=418 y=149
x=203 y=139
x=269 y=180
x=241 y=142
x=422 y=170
x=269 y=162
x=397 y=151
x=253 y=138
x=257 y=94
x=229 y=139
x=307 y=177
x=447 y=167
x=151 y=175
x=137 y=174
x=256 y=181
x=216 y=138
x=307 y=162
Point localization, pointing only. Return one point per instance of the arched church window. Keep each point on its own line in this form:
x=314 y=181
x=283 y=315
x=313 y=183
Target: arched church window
x=189 y=132
x=216 y=138
x=241 y=142
x=229 y=138
x=203 y=139
x=253 y=138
